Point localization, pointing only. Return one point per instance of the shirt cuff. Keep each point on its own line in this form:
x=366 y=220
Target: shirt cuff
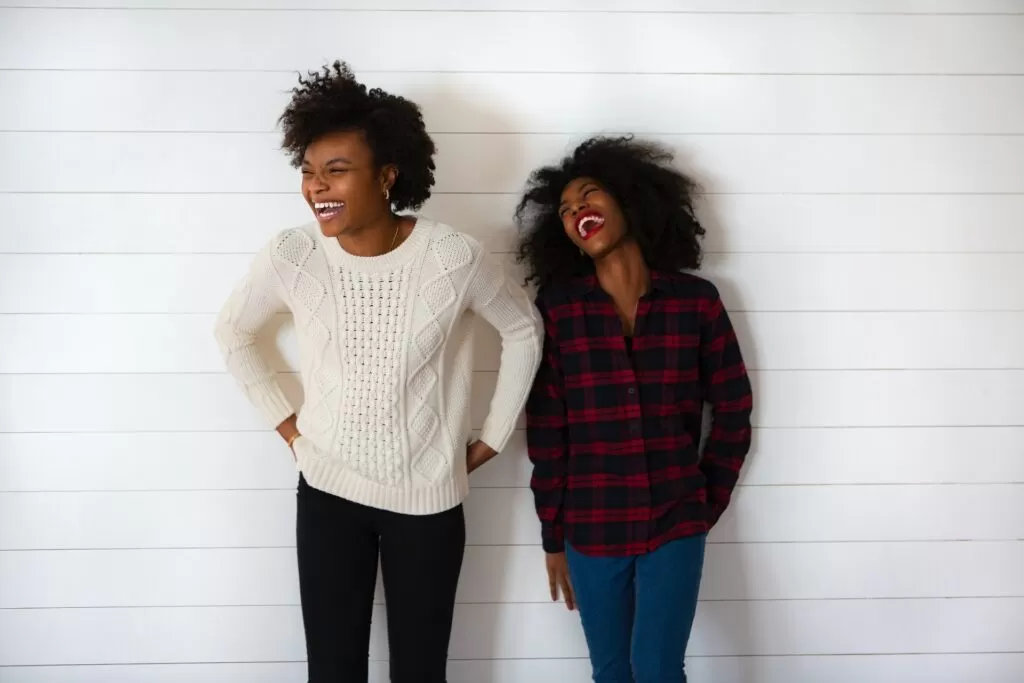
x=553 y=541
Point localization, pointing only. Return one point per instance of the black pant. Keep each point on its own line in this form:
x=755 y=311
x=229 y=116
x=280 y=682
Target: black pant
x=420 y=557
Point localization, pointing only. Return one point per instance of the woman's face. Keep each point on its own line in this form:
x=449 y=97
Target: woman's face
x=342 y=184
x=591 y=217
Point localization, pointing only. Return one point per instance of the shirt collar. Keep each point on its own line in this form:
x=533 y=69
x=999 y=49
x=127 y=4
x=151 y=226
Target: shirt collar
x=587 y=284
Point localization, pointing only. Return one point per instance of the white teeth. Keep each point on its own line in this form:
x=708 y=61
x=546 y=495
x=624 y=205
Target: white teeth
x=328 y=205
x=584 y=224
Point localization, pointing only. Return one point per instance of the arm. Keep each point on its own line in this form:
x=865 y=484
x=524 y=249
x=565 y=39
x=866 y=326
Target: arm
x=547 y=441
x=250 y=307
x=727 y=389
x=507 y=308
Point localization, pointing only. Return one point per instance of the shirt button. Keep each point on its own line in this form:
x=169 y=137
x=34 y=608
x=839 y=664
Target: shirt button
x=632 y=390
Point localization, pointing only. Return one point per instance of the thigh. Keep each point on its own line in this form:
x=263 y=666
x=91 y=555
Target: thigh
x=337 y=555
x=604 y=596
x=421 y=558
x=667 y=583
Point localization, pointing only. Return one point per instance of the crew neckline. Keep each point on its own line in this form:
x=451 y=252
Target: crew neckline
x=389 y=261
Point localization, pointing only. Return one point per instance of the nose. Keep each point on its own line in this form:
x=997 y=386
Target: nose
x=578 y=206
x=318 y=183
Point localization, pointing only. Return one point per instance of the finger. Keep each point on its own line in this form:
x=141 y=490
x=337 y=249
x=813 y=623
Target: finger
x=553 y=586
x=570 y=598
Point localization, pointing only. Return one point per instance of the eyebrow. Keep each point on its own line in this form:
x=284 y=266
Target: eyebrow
x=583 y=188
x=335 y=160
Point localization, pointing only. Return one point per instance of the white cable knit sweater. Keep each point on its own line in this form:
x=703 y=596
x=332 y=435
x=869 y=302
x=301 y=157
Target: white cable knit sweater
x=386 y=349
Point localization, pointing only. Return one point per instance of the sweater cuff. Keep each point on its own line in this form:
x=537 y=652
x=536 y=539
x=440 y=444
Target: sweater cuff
x=273 y=404
x=494 y=435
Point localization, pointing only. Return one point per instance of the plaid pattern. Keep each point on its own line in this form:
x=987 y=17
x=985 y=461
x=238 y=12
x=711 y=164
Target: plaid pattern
x=614 y=443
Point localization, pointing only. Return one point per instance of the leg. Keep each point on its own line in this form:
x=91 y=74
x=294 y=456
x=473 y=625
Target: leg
x=337 y=552
x=604 y=596
x=667 y=582
x=421 y=558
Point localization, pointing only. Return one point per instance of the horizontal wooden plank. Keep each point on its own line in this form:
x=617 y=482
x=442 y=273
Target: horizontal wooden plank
x=154 y=343
x=912 y=398
x=211 y=223
x=934 y=668
x=934 y=455
x=530 y=103
x=481 y=162
x=184 y=461
x=211 y=402
x=867 y=282
x=685 y=6
x=932 y=340
x=200 y=402
x=513 y=574
x=92 y=636
x=702 y=43
x=200 y=283
x=257 y=460
x=740 y=223
x=770 y=341
x=204 y=519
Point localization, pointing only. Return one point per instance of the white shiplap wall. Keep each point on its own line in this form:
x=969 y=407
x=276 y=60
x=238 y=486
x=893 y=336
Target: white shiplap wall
x=864 y=161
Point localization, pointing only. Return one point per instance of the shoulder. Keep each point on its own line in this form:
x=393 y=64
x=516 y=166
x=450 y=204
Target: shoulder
x=559 y=300
x=692 y=293
x=293 y=245
x=454 y=249
x=687 y=285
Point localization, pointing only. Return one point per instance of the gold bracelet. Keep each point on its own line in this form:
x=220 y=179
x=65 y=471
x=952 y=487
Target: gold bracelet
x=291 y=441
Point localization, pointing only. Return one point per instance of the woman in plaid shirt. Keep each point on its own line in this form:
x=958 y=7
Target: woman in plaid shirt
x=634 y=348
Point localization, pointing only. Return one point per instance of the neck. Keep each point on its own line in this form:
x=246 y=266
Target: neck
x=375 y=238
x=622 y=272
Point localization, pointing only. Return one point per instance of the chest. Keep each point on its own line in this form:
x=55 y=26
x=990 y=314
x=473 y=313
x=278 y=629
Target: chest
x=665 y=345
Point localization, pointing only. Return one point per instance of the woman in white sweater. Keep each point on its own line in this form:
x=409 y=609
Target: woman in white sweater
x=383 y=306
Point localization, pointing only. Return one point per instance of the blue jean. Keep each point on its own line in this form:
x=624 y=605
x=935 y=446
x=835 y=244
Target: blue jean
x=637 y=611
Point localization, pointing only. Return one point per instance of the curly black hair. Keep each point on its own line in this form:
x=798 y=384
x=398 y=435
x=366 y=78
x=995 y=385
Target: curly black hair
x=656 y=200
x=333 y=100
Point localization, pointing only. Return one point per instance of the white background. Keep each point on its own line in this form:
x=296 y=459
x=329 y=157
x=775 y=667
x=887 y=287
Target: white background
x=864 y=164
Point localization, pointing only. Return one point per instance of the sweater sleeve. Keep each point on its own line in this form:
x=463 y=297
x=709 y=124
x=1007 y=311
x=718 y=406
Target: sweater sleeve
x=505 y=306
x=252 y=304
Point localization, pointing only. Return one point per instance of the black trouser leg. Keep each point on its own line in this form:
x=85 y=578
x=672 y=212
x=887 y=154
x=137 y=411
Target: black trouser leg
x=421 y=557
x=337 y=553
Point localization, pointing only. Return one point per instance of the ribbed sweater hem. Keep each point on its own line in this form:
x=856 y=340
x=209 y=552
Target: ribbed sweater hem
x=332 y=477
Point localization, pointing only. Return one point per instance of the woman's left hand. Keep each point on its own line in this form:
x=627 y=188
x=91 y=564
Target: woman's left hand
x=477 y=453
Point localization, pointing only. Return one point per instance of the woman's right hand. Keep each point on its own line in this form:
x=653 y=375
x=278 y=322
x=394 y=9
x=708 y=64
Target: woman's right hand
x=289 y=431
x=558 y=579
x=291 y=444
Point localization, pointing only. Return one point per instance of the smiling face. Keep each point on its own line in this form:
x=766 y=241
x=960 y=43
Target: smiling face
x=342 y=184
x=591 y=217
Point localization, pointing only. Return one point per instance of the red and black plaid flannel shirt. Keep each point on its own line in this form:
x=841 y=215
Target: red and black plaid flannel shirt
x=613 y=439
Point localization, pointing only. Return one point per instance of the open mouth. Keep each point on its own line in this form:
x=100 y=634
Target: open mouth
x=325 y=211
x=588 y=224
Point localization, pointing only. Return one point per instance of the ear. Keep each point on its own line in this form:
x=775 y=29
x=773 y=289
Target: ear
x=388 y=176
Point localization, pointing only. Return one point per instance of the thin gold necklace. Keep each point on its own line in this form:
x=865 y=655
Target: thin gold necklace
x=395 y=237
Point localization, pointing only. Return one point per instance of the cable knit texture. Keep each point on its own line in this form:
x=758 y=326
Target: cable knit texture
x=386 y=359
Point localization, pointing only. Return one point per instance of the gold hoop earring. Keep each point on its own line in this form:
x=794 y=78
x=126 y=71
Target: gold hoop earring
x=387 y=195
